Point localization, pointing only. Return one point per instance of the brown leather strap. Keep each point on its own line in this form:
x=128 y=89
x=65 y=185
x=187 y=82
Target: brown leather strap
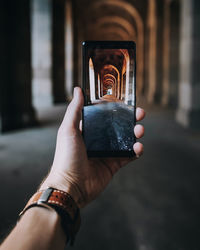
x=58 y=198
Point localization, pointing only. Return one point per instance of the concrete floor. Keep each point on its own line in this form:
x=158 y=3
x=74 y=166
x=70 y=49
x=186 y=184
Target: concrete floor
x=115 y=133
x=152 y=204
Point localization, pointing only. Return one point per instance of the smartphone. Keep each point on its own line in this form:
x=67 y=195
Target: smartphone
x=109 y=87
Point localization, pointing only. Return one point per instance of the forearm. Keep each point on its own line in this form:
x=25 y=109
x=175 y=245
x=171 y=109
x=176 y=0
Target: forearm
x=39 y=228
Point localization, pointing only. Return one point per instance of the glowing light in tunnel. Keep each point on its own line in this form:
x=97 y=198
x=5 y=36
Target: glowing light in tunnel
x=109 y=91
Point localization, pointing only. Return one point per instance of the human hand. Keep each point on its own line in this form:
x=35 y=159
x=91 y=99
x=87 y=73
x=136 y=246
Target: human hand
x=72 y=171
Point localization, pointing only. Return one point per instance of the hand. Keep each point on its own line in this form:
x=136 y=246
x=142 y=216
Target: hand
x=72 y=171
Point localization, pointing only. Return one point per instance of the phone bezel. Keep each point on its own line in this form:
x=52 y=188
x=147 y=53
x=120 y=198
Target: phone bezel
x=107 y=45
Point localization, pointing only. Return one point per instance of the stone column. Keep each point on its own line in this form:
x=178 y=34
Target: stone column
x=96 y=84
x=159 y=50
x=16 y=109
x=174 y=52
x=166 y=30
x=41 y=34
x=152 y=28
x=69 y=49
x=58 y=51
x=76 y=73
x=78 y=38
x=188 y=113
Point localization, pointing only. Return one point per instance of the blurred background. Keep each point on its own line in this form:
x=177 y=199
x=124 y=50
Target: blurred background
x=154 y=202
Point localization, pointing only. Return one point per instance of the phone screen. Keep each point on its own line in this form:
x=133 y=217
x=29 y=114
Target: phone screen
x=109 y=89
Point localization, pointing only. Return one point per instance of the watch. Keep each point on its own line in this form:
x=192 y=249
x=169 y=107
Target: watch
x=64 y=205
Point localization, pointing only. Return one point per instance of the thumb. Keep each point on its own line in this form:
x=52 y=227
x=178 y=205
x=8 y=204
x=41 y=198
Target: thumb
x=73 y=114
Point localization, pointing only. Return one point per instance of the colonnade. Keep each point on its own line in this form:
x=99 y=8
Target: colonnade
x=106 y=76
x=167 y=41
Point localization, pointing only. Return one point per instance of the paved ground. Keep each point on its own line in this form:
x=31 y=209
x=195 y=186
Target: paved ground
x=109 y=126
x=152 y=204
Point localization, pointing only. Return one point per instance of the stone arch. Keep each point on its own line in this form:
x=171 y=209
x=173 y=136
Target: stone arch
x=116 y=20
x=117 y=77
x=133 y=12
x=110 y=76
x=105 y=34
x=113 y=36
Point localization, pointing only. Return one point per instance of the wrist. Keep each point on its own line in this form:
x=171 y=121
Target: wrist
x=33 y=221
x=61 y=182
x=43 y=213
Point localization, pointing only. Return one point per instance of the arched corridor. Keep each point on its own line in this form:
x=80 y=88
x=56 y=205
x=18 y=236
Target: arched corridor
x=152 y=204
x=109 y=75
x=53 y=42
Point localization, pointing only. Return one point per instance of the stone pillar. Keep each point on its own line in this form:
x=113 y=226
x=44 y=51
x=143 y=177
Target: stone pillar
x=58 y=51
x=76 y=73
x=174 y=52
x=16 y=109
x=69 y=49
x=96 y=83
x=152 y=28
x=159 y=50
x=188 y=113
x=165 y=82
x=41 y=34
x=79 y=37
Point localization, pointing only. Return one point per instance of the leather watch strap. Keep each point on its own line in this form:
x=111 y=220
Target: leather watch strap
x=63 y=203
